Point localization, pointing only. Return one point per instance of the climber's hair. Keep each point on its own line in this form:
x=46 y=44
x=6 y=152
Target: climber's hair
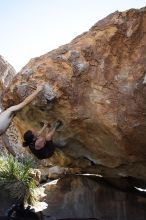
x=28 y=138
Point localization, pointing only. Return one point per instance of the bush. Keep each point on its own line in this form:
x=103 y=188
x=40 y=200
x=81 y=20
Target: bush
x=14 y=177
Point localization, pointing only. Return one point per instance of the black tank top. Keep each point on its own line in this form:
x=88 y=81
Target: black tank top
x=45 y=152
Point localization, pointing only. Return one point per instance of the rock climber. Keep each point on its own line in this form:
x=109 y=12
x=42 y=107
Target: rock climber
x=7 y=115
x=41 y=145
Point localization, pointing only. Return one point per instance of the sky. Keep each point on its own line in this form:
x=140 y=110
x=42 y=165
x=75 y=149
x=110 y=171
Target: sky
x=31 y=28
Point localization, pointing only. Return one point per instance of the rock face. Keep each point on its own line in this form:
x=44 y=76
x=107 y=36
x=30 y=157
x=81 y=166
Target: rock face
x=81 y=197
x=7 y=73
x=97 y=86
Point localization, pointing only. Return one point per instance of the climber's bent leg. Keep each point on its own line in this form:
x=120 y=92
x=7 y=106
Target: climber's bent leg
x=7 y=145
x=5 y=120
x=7 y=115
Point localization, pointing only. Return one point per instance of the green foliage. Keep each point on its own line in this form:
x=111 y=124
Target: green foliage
x=14 y=176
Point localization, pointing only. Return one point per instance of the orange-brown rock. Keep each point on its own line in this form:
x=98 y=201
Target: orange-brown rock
x=97 y=86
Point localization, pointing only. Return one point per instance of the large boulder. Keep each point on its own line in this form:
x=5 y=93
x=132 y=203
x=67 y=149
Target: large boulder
x=82 y=197
x=97 y=86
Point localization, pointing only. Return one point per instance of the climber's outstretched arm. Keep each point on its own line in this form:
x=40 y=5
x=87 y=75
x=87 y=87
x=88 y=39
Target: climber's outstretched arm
x=7 y=145
x=50 y=134
x=27 y=100
x=42 y=129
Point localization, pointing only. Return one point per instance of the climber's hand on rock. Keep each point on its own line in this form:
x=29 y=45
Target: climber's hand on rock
x=40 y=87
x=37 y=87
x=44 y=122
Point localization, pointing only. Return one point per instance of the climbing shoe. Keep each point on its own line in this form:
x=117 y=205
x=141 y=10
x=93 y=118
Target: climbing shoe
x=57 y=124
